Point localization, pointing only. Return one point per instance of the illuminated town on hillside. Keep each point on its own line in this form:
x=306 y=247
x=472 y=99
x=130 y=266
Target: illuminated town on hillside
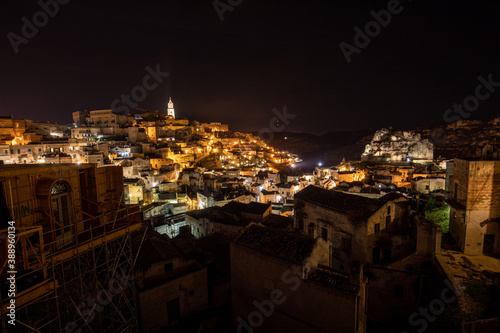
x=249 y=182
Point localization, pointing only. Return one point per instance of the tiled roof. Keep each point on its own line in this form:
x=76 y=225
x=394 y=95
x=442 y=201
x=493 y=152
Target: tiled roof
x=167 y=196
x=218 y=215
x=361 y=207
x=278 y=221
x=330 y=277
x=265 y=192
x=156 y=249
x=251 y=208
x=285 y=245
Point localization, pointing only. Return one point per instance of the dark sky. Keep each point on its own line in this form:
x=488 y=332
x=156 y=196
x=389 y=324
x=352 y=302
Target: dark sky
x=264 y=55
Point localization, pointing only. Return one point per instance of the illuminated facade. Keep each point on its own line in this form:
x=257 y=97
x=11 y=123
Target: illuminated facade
x=388 y=146
x=170 y=108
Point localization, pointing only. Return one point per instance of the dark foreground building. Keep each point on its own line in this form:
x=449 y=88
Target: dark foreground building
x=73 y=258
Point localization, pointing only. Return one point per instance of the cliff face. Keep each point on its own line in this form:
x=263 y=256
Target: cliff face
x=450 y=140
x=398 y=146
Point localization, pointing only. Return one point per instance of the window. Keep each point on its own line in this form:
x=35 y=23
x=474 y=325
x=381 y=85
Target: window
x=169 y=267
x=324 y=233
x=387 y=256
x=346 y=245
x=12 y=151
x=39 y=150
x=19 y=151
x=388 y=210
x=60 y=195
x=377 y=227
x=29 y=150
x=427 y=187
x=310 y=230
x=300 y=224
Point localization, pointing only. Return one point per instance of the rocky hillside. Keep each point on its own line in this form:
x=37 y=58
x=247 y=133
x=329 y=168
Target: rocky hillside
x=460 y=138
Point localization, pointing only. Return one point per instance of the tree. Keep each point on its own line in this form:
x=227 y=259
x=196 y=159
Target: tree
x=430 y=205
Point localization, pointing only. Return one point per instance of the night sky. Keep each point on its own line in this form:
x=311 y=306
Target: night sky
x=264 y=55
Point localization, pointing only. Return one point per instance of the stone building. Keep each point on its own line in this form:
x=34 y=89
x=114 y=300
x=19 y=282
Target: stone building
x=475 y=205
x=228 y=219
x=275 y=277
x=12 y=130
x=172 y=285
x=350 y=222
x=378 y=233
x=133 y=190
x=70 y=220
x=214 y=127
x=428 y=184
x=80 y=117
x=85 y=132
x=106 y=118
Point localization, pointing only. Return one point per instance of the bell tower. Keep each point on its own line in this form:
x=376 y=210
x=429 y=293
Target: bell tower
x=170 y=108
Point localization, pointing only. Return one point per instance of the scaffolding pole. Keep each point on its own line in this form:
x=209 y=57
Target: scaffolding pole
x=81 y=281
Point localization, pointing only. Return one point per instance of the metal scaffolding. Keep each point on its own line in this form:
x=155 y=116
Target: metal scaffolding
x=88 y=284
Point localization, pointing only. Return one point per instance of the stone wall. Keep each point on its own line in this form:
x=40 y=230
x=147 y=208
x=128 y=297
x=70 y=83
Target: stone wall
x=254 y=276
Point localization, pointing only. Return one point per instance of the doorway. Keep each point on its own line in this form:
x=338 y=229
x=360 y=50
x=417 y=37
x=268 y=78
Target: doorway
x=489 y=244
x=173 y=311
x=62 y=213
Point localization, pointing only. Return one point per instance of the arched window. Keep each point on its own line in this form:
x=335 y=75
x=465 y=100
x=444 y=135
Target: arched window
x=61 y=204
x=59 y=187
